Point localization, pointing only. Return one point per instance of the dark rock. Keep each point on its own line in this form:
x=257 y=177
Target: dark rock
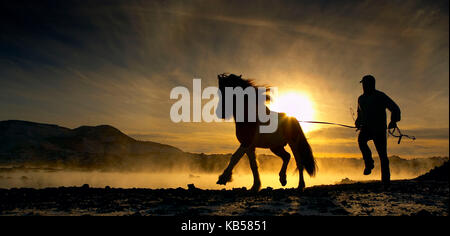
x=422 y=213
x=137 y=213
x=339 y=211
x=191 y=187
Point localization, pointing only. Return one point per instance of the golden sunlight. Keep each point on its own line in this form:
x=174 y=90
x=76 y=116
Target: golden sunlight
x=296 y=105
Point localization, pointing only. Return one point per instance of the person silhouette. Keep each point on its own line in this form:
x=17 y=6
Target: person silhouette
x=371 y=121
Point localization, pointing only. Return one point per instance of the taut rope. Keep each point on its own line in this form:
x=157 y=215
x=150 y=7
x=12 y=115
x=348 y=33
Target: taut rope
x=390 y=131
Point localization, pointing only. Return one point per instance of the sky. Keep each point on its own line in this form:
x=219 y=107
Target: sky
x=76 y=63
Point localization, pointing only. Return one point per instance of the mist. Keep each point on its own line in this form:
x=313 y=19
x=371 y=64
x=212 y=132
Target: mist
x=203 y=173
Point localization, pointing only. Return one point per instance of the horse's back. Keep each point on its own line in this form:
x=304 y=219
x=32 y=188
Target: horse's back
x=277 y=138
x=287 y=130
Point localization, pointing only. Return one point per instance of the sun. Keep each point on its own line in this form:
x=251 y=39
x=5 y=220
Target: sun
x=296 y=105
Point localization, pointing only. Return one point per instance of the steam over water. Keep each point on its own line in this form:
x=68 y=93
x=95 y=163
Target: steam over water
x=331 y=171
x=42 y=179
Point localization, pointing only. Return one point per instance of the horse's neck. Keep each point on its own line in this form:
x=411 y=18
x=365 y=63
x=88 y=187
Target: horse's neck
x=246 y=115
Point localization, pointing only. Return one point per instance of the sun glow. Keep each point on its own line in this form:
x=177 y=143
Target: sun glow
x=296 y=105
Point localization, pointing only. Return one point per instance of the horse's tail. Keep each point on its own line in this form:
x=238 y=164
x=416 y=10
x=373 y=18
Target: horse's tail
x=305 y=154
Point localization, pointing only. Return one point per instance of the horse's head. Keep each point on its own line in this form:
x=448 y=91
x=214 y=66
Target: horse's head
x=231 y=81
x=247 y=85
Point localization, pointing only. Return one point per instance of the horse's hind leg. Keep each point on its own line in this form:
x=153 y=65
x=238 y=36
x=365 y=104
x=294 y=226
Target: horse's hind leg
x=301 y=185
x=226 y=175
x=285 y=156
x=254 y=166
x=301 y=182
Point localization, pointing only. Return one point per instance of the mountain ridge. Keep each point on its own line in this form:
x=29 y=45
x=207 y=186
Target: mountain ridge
x=31 y=142
x=104 y=147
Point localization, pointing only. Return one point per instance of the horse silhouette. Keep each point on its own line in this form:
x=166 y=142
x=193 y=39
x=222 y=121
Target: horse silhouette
x=248 y=134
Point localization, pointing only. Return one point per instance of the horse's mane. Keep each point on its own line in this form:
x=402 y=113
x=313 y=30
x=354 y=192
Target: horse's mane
x=232 y=80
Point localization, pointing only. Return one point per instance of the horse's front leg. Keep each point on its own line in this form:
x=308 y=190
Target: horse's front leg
x=254 y=166
x=225 y=177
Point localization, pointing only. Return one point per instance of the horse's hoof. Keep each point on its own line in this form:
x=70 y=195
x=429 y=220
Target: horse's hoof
x=223 y=180
x=283 y=180
x=301 y=188
x=255 y=188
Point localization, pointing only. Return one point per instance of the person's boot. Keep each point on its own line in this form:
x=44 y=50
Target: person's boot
x=368 y=169
x=385 y=173
x=386 y=180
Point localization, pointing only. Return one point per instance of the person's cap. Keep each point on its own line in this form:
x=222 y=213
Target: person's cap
x=368 y=79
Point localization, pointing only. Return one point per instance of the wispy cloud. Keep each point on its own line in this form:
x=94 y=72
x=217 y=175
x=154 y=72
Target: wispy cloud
x=96 y=63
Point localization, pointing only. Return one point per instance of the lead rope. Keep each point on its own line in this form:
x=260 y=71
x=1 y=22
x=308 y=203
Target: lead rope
x=327 y=123
x=390 y=131
x=400 y=136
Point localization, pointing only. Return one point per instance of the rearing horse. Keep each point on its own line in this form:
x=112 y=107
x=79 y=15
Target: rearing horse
x=288 y=132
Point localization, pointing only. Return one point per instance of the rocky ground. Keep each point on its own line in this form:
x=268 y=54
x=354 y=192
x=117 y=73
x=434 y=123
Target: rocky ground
x=405 y=197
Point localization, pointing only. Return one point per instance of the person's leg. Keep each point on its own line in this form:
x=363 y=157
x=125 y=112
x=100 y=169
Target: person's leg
x=363 y=138
x=380 y=141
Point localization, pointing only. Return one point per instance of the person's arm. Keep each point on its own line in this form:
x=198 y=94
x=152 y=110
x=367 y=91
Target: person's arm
x=395 y=112
x=358 y=117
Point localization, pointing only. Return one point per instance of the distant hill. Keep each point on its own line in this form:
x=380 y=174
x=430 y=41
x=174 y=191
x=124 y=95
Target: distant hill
x=23 y=142
x=29 y=145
